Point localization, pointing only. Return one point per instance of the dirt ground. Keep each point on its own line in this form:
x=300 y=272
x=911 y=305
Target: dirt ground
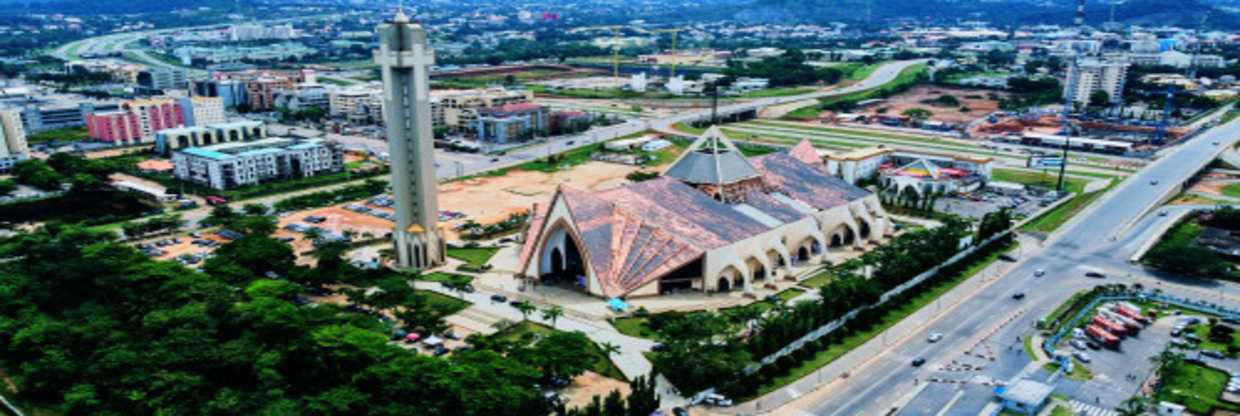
x=974 y=99
x=338 y=220
x=591 y=384
x=186 y=246
x=489 y=200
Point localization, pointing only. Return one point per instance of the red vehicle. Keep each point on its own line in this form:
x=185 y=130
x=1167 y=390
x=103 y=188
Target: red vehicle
x=1131 y=324
x=1131 y=311
x=1102 y=336
x=1109 y=325
x=216 y=200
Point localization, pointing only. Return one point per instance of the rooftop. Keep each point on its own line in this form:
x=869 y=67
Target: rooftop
x=712 y=159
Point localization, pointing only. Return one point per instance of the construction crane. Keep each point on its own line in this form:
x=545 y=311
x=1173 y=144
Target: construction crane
x=615 y=48
x=675 y=33
x=1160 y=134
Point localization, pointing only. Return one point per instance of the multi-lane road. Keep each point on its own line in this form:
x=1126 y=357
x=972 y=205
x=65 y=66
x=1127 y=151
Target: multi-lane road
x=1100 y=238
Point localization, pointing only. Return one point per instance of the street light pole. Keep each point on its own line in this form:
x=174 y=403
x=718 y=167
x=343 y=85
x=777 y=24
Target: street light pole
x=1073 y=71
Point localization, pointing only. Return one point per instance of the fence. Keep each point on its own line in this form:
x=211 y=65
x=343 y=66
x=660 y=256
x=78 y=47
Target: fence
x=1199 y=306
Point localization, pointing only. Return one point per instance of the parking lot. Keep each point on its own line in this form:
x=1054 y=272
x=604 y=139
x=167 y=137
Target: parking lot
x=983 y=202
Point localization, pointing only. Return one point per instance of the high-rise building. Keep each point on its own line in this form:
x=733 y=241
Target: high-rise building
x=12 y=140
x=1090 y=75
x=405 y=60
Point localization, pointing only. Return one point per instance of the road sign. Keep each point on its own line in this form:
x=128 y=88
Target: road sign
x=1040 y=162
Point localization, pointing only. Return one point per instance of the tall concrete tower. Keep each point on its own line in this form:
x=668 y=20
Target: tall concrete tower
x=406 y=60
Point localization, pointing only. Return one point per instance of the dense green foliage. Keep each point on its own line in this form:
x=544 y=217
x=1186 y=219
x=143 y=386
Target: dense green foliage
x=324 y=198
x=703 y=351
x=89 y=326
x=784 y=70
x=1180 y=252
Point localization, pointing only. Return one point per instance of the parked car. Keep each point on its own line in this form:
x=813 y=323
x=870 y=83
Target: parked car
x=499 y=298
x=1078 y=344
x=1082 y=356
x=1213 y=354
x=1093 y=345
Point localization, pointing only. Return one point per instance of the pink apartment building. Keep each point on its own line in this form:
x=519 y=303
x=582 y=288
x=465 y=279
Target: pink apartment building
x=136 y=122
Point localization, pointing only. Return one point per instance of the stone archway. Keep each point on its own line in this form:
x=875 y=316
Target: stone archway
x=757 y=270
x=863 y=228
x=802 y=254
x=561 y=260
x=724 y=285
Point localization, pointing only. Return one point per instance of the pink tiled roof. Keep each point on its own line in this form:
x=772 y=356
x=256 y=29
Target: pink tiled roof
x=805 y=152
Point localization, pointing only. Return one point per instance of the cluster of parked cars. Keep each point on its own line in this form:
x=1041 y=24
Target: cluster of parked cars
x=433 y=344
x=154 y=249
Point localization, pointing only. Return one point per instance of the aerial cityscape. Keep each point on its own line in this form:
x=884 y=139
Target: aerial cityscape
x=620 y=207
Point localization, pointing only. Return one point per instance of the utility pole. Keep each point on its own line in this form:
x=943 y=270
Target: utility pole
x=714 y=104
x=1073 y=72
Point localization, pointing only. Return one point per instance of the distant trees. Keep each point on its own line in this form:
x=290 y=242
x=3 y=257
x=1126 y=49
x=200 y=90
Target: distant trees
x=784 y=70
x=37 y=173
x=918 y=113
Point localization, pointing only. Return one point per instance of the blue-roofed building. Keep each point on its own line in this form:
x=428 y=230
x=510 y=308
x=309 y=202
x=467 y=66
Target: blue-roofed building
x=235 y=164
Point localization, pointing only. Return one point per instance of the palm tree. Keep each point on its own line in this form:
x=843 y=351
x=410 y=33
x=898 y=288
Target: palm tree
x=526 y=309
x=1164 y=361
x=608 y=349
x=552 y=314
x=1133 y=406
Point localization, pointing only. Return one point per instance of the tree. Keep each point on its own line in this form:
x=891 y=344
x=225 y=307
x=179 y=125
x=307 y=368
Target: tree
x=917 y=113
x=220 y=215
x=1165 y=362
x=37 y=173
x=254 y=209
x=526 y=309
x=1099 y=99
x=552 y=313
x=1132 y=406
x=608 y=348
x=7 y=187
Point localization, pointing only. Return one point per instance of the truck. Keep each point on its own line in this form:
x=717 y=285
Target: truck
x=1102 y=336
x=1131 y=311
x=214 y=200
x=1131 y=324
x=1109 y=325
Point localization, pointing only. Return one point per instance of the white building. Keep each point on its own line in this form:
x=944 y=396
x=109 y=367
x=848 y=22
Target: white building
x=1090 y=75
x=638 y=82
x=204 y=110
x=231 y=165
x=257 y=31
x=13 y=147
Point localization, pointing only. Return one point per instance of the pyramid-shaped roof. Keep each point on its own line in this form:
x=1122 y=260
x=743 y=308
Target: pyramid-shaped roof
x=712 y=159
x=805 y=152
x=920 y=168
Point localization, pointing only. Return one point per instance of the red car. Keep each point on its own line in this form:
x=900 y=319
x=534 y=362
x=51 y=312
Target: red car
x=413 y=337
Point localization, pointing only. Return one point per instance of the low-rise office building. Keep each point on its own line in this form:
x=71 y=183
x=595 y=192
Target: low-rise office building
x=512 y=122
x=170 y=140
x=232 y=165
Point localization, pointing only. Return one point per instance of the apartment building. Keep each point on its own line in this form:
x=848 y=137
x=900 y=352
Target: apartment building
x=13 y=146
x=170 y=140
x=232 y=165
x=1090 y=75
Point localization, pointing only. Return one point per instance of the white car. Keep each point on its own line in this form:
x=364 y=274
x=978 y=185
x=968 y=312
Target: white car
x=1081 y=355
x=1039 y=273
x=935 y=337
x=1078 y=344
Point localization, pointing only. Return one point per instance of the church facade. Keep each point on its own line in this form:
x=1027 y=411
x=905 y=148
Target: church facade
x=715 y=221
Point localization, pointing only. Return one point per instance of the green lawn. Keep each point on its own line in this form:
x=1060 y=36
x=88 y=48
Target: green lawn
x=67 y=134
x=777 y=92
x=475 y=256
x=1061 y=411
x=1079 y=371
x=1196 y=387
x=1044 y=179
x=894 y=314
x=1232 y=190
x=1029 y=349
x=819 y=280
x=635 y=326
x=788 y=294
x=859 y=71
x=527 y=330
x=1052 y=220
x=1203 y=333
x=446 y=305
x=563 y=160
x=447 y=278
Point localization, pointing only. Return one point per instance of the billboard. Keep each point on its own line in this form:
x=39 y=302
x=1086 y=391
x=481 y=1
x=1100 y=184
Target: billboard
x=1043 y=162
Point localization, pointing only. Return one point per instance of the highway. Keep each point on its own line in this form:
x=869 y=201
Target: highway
x=1101 y=238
